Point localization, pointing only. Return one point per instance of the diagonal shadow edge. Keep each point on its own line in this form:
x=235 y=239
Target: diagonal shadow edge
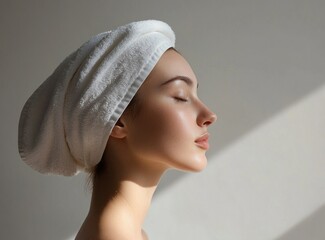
x=311 y=228
x=173 y=176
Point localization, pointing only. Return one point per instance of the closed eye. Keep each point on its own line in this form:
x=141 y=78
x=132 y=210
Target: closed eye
x=180 y=99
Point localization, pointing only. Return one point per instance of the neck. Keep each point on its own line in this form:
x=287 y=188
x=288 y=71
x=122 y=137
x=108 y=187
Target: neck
x=130 y=195
x=123 y=197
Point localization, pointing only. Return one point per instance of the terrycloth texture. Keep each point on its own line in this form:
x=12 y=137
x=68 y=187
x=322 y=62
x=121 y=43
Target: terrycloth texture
x=64 y=126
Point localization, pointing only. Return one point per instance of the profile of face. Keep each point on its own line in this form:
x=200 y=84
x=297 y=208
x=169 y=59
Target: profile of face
x=169 y=128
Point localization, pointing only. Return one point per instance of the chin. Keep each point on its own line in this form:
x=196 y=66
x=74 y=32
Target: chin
x=200 y=168
x=197 y=165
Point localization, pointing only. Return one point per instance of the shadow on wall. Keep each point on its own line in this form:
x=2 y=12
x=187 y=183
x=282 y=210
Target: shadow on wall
x=312 y=228
x=263 y=60
x=243 y=102
x=52 y=207
x=235 y=121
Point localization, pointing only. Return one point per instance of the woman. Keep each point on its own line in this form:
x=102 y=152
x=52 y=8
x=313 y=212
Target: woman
x=123 y=107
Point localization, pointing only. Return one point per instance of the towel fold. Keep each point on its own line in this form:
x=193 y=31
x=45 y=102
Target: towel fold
x=64 y=126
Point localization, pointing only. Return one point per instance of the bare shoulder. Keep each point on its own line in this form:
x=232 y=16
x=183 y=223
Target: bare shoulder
x=114 y=227
x=120 y=224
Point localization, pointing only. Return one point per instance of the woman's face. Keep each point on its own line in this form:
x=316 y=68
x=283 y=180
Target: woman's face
x=170 y=126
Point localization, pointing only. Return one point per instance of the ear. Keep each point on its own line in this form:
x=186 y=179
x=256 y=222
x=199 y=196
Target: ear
x=119 y=130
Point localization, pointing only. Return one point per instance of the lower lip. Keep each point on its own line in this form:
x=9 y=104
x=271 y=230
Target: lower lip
x=203 y=144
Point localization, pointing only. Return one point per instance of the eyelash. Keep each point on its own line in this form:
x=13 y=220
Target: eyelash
x=179 y=99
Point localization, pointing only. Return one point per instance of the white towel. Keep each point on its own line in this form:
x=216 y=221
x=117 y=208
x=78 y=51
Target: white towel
x=65 y=124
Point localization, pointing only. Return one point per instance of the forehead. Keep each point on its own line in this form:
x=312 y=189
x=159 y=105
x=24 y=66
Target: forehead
x=170 y=65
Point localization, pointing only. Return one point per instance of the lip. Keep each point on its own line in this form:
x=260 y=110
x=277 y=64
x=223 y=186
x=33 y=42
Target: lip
x=203 y=141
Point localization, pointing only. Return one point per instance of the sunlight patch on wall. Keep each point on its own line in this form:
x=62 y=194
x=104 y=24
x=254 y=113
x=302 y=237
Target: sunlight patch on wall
x=257 y=188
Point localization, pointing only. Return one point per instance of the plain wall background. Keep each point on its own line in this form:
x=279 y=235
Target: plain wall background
x=261 y=67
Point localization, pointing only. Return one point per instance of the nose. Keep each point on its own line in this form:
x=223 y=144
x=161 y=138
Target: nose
x=206 y=117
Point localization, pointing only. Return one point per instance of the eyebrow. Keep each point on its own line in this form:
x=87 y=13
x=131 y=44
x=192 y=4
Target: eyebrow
x=187 y=80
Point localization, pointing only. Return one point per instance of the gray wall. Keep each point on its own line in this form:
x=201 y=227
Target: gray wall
x=261 y=69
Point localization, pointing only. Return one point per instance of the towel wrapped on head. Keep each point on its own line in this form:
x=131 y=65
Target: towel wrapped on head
x=65 y=124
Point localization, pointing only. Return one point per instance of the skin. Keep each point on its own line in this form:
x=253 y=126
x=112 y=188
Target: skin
x=162 y=134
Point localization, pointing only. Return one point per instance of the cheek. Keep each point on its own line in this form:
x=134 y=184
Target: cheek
x=166 y=124
x=167 y=133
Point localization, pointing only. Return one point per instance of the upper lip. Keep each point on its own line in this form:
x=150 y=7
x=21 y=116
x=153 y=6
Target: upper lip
x=203 y=138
